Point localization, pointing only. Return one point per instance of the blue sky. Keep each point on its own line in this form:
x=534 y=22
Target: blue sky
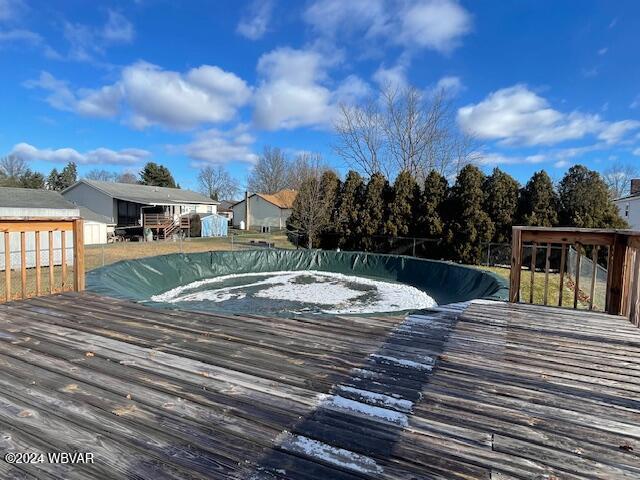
x=541 y=84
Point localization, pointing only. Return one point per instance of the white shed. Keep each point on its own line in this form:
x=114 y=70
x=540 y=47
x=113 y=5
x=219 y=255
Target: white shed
x=97 y=228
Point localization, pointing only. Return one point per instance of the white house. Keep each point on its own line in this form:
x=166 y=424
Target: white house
x=629 y=206
x=260 y=210
x=126 y=204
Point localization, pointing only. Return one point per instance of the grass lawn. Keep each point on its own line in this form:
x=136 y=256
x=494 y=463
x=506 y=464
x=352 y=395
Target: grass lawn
x=538 y=287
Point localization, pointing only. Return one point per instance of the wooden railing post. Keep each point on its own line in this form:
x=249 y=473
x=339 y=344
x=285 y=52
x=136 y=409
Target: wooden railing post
x=78 y=255
x=617 y=275
x=516 y=265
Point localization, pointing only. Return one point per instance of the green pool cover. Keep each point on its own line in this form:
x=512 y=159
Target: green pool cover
x=445 y=282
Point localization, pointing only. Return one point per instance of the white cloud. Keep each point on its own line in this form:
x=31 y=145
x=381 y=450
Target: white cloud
x=493 y=158
x=118 y=28
x=255 y=23
x=393 y=77
x=449 y=85
x=216 y=147
x=11 y=9
x=20 y=35
x=516 y=115
x=434 y=24
x=635 y=103
x=206 y=94
x=636 y=152
x=603 y=51
x=99 y=156
x=290 y=94
x=562 y=164
x=614 y=132
x=87 y=41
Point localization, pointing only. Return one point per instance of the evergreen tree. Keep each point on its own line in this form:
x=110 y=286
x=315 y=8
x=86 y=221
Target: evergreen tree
x=400 y=220
x=330 y=186
x=348 y=208
x=372 y=213
x=429 y=221
x=468 y=225
x=53 y=180
x=501 y=203
x=30 y=179
x=538 y=205
x=585 y=201
x=68 y=175
x=157 y=175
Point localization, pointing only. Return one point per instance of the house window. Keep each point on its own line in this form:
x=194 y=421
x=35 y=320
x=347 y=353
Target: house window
x=626 y=210
x=209 y=208
x=192 y=208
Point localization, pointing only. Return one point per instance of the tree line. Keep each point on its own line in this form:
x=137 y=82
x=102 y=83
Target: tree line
x=15 y=172
x=358 y=213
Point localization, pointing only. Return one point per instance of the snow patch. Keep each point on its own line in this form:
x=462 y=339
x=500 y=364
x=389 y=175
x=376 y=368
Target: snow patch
x=328 y=454
x=378 y=399
x=343 y=404
x=335 y=293
x=404 y=362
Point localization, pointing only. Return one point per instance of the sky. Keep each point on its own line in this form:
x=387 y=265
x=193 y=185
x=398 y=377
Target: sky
x=541 y=84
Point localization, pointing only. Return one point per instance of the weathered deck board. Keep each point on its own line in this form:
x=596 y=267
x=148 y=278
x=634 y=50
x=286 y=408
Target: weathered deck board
x=482 y=391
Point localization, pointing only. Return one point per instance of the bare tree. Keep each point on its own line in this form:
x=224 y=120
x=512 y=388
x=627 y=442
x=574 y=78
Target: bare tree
x=13 y=166
x=404 y=129
x=618 y=178
x=271 y=173
x=303 y=166
x=127 y=177
x=101 y=175
x=216 y=183
x=311 y=211
x=360 y=138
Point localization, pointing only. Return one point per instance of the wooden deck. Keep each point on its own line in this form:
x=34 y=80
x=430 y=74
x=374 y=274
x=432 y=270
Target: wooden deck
x=487 y=391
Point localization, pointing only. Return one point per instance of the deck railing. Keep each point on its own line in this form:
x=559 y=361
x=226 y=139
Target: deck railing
x=619 y=250
x=31 y=244
x=155 y=220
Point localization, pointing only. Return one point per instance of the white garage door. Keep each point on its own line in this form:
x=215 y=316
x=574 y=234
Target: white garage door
x=95 y=233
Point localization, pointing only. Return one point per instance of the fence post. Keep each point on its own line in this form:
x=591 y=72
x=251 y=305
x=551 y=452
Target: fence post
x=78 y=255
x=618 y=273
x=516 y=265
x=414 y=246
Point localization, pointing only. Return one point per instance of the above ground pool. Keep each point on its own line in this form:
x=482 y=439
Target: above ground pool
x=289 y=282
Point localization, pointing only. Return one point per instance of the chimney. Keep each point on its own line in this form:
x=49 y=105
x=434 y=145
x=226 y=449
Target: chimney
x=635 y=186
x=246 y=210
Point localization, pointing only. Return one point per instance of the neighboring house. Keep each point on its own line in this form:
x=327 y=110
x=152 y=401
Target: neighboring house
x=25 y=203
x=129 y=205
x=226 y=209
x=260 y=211
x=97 y=228
x=629 y=206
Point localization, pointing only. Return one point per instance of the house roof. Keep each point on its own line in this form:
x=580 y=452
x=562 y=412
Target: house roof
x=31 y=198
x=92 y=216
x=225 y=205
x=282 y=199
x=628 y=197
x=146 y=194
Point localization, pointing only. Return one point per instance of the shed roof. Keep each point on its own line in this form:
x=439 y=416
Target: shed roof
x=11 y=197
x=91 y=216
x=146 y=194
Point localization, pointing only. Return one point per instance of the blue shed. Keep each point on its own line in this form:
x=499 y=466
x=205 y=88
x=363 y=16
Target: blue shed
x=214 y=226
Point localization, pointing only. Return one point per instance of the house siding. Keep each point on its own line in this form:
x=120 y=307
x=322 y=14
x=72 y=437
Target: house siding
x=261 y=214
x=629 y=209
x=87 y=196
